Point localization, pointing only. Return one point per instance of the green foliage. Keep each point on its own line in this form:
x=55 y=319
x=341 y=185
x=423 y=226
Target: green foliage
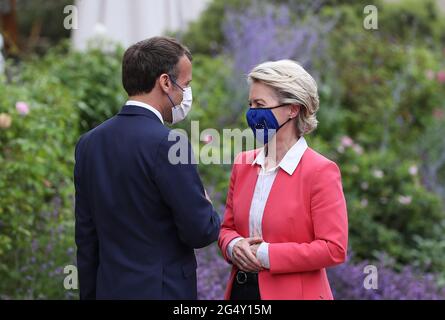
x=380 y=86
x=428 y=255
x=93 y=78
x=388 y=206
x=36 y=191
x=205 y=35
x=412 y=20
x=68 y=93
x=41 y=23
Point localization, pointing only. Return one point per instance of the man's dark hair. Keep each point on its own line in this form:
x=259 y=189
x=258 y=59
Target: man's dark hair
x=146 y=60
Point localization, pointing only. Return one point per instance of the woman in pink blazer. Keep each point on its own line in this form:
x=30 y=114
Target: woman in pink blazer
x=285 y=219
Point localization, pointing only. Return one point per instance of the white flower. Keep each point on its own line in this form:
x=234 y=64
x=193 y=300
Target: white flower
x=364 y=185
x=364 y=203
x=340 y=149
x=405 y=200
x=358 y=149
x=377 y=173
x=413 y=170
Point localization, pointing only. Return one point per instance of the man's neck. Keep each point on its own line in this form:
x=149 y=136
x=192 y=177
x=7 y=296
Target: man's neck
x=151 y=101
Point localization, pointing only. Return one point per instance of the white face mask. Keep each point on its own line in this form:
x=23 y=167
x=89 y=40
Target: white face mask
x=180 y=112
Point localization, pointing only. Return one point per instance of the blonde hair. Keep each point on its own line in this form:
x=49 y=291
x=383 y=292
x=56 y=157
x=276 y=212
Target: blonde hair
x=293 y=85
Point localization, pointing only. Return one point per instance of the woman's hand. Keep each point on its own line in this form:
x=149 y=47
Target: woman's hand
x=254 y=248
x=243 y=257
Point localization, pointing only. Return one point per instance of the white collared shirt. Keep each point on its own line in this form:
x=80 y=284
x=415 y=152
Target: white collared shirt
x=146 y=106
x=263 y=186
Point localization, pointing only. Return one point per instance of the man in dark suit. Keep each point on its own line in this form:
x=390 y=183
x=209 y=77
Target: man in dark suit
x=139 y=212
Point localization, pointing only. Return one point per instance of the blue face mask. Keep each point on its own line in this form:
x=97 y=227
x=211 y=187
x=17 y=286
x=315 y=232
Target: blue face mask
x=263 y=123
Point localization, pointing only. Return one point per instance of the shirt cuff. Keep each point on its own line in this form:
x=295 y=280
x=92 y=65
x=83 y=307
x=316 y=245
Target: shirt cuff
x=230 y=246
x=262 y=254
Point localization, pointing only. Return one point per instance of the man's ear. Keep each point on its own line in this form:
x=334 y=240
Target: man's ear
x=164 y=82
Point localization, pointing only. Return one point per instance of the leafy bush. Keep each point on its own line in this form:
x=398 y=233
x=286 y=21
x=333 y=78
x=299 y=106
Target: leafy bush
x=36 y=191
x=205 y=36
x=41 y=24
x=411 y=20
x=428 y=255
x=387 y=204
x=92 y=77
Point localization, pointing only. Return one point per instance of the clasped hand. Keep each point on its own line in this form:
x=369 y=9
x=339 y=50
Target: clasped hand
x=244 y=254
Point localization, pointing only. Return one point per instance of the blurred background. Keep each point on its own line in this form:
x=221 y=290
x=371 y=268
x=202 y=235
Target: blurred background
x=382 y=116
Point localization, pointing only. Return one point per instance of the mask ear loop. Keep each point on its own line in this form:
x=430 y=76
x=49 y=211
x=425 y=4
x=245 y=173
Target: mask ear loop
x=171 y=101
x=281 y=105
x=174 y=82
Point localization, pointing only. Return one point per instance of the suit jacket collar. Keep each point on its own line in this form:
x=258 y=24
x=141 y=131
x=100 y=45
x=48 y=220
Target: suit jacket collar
x=130 y=110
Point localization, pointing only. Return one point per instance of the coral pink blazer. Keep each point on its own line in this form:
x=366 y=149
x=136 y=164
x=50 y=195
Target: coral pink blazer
x=304 y=222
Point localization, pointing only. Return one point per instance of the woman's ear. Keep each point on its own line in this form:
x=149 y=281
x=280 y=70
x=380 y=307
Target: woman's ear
x=294 y=110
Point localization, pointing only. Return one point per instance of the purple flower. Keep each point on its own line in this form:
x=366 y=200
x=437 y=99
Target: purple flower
x=34 y=245
x=347 y=281
x=267 y=32
x=213 y=273
x=49 y=248
x=70 y=251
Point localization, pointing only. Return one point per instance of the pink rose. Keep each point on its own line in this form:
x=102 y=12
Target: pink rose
x=438 y=114
x=346 y=141
x=22 y=108
x=441 y=76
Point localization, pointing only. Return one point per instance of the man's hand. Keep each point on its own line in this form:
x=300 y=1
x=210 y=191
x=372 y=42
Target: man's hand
x=243 y=257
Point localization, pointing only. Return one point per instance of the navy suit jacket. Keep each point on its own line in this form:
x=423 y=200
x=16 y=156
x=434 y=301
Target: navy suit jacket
x=138 y=216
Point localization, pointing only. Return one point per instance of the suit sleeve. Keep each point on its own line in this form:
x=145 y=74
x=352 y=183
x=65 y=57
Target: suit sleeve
x=329 y=217
x=228 y=229
x=85 y=232
x=181 y=188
